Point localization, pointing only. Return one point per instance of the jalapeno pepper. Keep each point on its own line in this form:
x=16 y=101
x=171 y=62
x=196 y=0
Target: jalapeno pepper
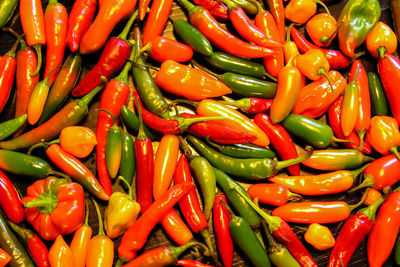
x=378 y=98
x=9 y=127
x=243 y=150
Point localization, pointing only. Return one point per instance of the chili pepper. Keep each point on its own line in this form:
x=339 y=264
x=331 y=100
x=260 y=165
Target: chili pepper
x=320 y=184
x=253 y=169
x=9 y=200
x=5 y=258
x=335 y=58
x=300 y=11
x=243 y=151
x=378 y=98
x=8 y=65
x=213 y=31
x=322 y=29
x=217 y=9
x=278 y=12
x=69 y=115
x=25 y=83
x=176 y=78
x=101 y=247
x=280 y=139
x=388 y=69
x=381 y=40
x=10 y=243
x=156 y=20
x=143 y=8
x=247 y=6
x=162 y=48
x=9 y=127
x=290 y=49
x=6 y=10
x=33 y=25
x=162 y=256
x=284 y=234
x=350 y=106
x=192 y=37
x=191 y=263
x=37 y=248
x=319 y=236
x=336 y=159
x=131 y=120
x=121 y=212
x=80 y=241
x=55 y=19
x=272 y=194
x=315 y=212
x=135 y=237
x=251 y=105
x=57 y=202
x=218 y=132
x=145 y=84
x=383 y=231
x=110 y=13
x=334 y=117
x=63 y=84
x=128 y=163
x=394 y=6
x=221 y=219
x=289 y=85
x=371 y=195
x=176 y=228
x=384 y=135
x=60 y=254
x=79 y=141
x=356 y=20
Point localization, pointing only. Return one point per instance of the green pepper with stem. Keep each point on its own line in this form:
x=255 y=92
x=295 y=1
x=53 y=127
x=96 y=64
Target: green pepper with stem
x=253 y=169
x=378 y=98
x=131 y=120
x=9 y=127
x=128 y=162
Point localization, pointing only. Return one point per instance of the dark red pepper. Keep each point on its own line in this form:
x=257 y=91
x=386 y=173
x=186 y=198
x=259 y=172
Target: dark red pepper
x=9 y=200
x=221 y=219
x=8 y=64
x=216 y=8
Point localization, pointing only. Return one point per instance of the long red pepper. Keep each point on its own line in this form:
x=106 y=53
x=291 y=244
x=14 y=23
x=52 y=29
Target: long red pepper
x=221 y=219
x=217 y=9
x=334 y=115
x=79 y=20
x=157 y=18
x=8 y=64
x=115 y=95
x=278 y=12
x=280 y=139
x=136 y=235
x=383 y=235
x=335 y=58
x=9 y=200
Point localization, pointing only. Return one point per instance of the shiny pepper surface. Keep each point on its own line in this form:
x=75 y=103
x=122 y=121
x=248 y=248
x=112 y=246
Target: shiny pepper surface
x=384 y=135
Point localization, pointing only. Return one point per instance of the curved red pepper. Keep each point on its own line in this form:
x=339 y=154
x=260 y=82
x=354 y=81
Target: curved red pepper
x=156 y=20
x=280 y=139
x=8 y=64
x=221 y=219
x=278 y=12
x=217 y=9
x=9 y=200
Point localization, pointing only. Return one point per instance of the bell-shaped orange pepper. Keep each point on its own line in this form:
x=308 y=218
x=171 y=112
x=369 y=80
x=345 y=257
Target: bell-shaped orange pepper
x=78 y=140
x=319 y=236
x=60 y=254
x=322 y=29
x=381 y=40
x=384 y=135
x=299 y=11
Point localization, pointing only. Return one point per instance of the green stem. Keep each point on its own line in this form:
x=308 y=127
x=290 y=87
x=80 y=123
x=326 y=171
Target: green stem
x=286 y=163
x=101 y=227
x=381 y=52
x=361 y=134
x=89 y=97
x=186 y=149
x=206 y=235
x=323 y=5
x=46 y=80
x=338 y=140
x=352 y=207
x=257 y=4
x=394 y=150
x=11 y=52
x=321 y=71
x=123 y=75
x=141 y=133
x=185 y=123
x=368 y=182
x=288 y=32
x=188 y=102
x=38 y=50
x=123 y=35
x=86 y=222
x=60 y=174
x=326 y=39
x=128 y=185
x=265 y=73
x=201 y=67
x=110 y=114
x=370 y=211
x=357 y=172
x=52 y=3
x=45 y=205
x=188 y=6
x=177 y=251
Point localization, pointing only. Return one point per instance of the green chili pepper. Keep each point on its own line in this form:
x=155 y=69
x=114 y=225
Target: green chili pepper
x=132 y=122
x=397 y=252
x=228 y=185
x=7 y=8
x=128 y=162
x=247 y=241
x=148 y=90
x=356 y=20
x=378 y=98
x=243 y=151
x=313 y=132
x=10 y=243
x=62 y=86
x=253 y=169
x=70 y=115
x=9 y=127
x=192 y=37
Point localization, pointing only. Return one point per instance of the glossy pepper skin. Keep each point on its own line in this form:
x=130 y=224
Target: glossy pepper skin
x=8 y=65
x=9 y=200
x=384 y=135
x=300 y=11
x=278 y=12
x=271 y=193
x=57 y=202
x=156 y=19
x=79 y=141
x=80 y=241
x=381 y=40
x=60 y=254
x=356 y=19
x=9 y=127
x=319 y=236
x=322 y=29
x=379 y=101
x=243 y=150
x=350 y=107
x=221 y=219
x=217 y=9
x=7 y=9
x=163 y=48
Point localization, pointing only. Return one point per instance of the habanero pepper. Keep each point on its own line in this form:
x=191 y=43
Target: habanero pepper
x=60 y=254
x=8 y=65
x=384 y=135
x=322 y=29
x=251 y=105
x=300 y=11
x=9 y=200
x=378 y=98
x=319 y=236
x=162 y=48
x=156 y=20
x=243 y=151
x=381 y=40
x=272 y=194
x=79 y=141
x=221 y=219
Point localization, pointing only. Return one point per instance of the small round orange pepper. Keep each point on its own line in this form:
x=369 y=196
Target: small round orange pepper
x=319 y=236
x=372 y=196
x=299 y=11
x=78 y=140
x=322 y=29
x=381 y=40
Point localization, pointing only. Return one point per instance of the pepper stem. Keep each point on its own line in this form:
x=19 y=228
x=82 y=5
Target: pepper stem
x=13 y=32
x=185 y=123
x=352 y=207
x=321 y=71
x=243 y=104
x=188 y=102
x=266 y=74
x=24 y=233
x=185 y=147
x=45 y=203
x=206 y=235
x=46 y=80
x=201 y=67
x=381 y=52
x=111 y=115
x=326 y=39
x=230 y=5
x=52 y=3
x=89 y=97
x=60 y=174
x=370 y=211
x=293 y=197
x=368 y=182
x=143 y=65
x=38 y=49
x=101 y=227
x=123 y=35
x=286 y=163
x=177 y=251
x=146 y=48
x=11 y=52
x=288 y=32
x=123 y=75
x=128 y=185
x=86 y=222
x=394 y=150
x=323 y=5
x=217 y=146
x=361 y=134
x=338 y=140
x=358 y=171
x=141 y=133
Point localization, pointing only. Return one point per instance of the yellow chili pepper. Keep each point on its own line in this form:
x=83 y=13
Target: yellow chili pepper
x=319 y=236
x=60 y=254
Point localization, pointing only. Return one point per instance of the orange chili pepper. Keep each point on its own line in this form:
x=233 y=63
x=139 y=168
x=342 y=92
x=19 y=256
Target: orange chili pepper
x=381 y=40
x=322 y=29
x=290 y=49
x=384 y=135
x=156 y=20
x=299 y=11
x=4 y=258
x=350 y=107
x=319 y=236
x=60 y=253
x=371 y=195
x=289 y=85
x=272 y=194
x=80 y=242
x=78 y=140
x=176 y=228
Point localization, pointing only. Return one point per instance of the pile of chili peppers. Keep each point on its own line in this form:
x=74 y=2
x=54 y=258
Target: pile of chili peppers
x=201 y=131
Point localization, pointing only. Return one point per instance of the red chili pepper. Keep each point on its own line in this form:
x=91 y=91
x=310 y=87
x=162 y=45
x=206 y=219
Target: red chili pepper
x=8 y=64
x=271 y=194
x=251 y=105
x=115 y=95
x=142 y=8
x=37 y=248
x=56 y=20
x=334 y=118
x=162 y=48
x=9 y=200
x=192 y=263
x=217 y=9
x=156 y=20
x=278 y=12
x=79 y=20
x=383 y=235
x=389 y=72
x=221 y=219
x=136 y=235
x=336 y=59
x=280 y=139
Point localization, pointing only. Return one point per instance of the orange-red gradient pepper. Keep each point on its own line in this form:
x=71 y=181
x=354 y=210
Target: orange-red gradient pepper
x=381 y=40
x=322 y=29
